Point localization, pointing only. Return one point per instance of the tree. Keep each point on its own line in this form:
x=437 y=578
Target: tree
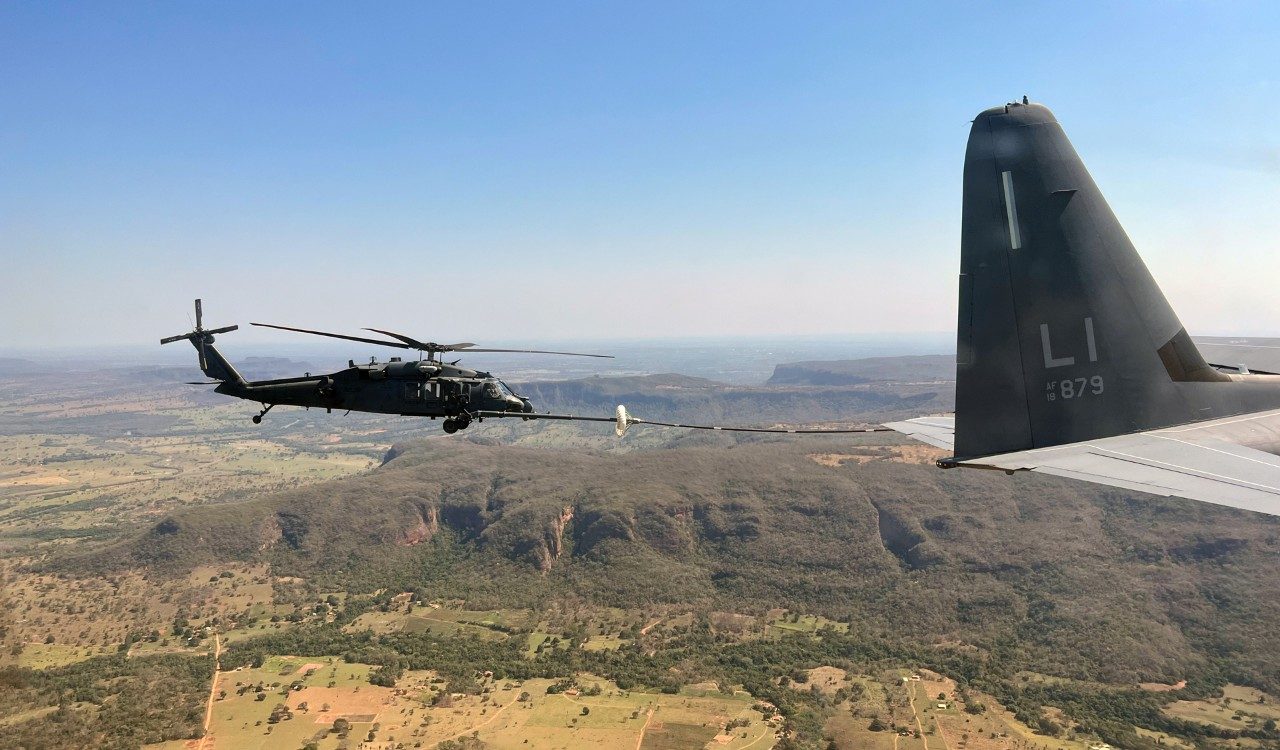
x=1048 y=726
x=585 y=710
x=385 y=676
x=876 y=725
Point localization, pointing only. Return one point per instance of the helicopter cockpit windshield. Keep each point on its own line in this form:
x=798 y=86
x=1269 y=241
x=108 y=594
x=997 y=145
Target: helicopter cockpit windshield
x=497 y=389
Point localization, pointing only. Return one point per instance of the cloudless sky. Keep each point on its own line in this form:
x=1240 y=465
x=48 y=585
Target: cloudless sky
x=501 y=172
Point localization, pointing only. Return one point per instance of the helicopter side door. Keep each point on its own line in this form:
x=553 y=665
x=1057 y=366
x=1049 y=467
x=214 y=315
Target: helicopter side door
x=451 y=394
x=432 y=394
x=464 y=393
x=437 y=394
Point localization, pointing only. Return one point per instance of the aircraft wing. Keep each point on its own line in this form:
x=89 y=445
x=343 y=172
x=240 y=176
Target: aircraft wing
x=940 y=432
x=1207 y=461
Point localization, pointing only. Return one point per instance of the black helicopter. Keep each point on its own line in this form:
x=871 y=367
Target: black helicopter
x=420 y=388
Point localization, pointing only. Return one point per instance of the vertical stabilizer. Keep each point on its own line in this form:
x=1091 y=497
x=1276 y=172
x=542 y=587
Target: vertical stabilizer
x=1063 y=334
x=213 y=363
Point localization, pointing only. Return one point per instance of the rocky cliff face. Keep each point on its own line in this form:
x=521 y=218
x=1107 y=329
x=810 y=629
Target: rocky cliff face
x=553 y=545
x=426 y=527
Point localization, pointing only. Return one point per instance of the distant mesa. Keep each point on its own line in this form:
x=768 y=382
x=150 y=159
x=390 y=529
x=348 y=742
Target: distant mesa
x=17 y=366
x=274 y=367
x=922 y=368
x=671 y=397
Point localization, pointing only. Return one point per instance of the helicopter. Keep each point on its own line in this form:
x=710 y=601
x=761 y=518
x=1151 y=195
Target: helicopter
x=425 y=387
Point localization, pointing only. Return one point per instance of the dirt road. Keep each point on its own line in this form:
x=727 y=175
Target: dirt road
x=213 y=692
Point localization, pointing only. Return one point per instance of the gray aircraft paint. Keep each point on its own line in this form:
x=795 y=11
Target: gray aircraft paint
x=1063 y=334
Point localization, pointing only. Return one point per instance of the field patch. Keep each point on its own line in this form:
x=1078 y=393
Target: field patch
x=343 y=702
x=783 y=623
x=827 y=679
x=676 y=736
x=45 y=480
x=1238 y=708
x=45 y=655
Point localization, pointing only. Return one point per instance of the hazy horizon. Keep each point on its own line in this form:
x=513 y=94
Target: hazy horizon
x=742 y=360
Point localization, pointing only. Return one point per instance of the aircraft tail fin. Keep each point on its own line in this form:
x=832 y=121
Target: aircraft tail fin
x=212 y=363
x=1063 y=334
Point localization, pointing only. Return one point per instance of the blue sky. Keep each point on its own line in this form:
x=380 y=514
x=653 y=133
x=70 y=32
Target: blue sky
x=498 y=172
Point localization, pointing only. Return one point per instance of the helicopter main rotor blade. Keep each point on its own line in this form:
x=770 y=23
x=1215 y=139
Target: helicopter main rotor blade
x=395 y=344
x=431 y=346
x=541 y=351
x=426 y=346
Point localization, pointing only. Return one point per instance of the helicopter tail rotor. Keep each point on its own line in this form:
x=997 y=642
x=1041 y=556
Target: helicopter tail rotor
x=200 y=332
x=212 y=363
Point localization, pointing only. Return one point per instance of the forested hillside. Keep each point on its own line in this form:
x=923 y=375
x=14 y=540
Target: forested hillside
x=1044 y=574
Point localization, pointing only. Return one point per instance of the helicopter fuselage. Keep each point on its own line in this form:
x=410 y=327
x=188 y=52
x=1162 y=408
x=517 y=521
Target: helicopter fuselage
x=422 y=388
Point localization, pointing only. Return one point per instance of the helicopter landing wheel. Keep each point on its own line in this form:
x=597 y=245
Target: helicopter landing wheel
x=257 y=418
x=450 y=426
x=464 y=424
